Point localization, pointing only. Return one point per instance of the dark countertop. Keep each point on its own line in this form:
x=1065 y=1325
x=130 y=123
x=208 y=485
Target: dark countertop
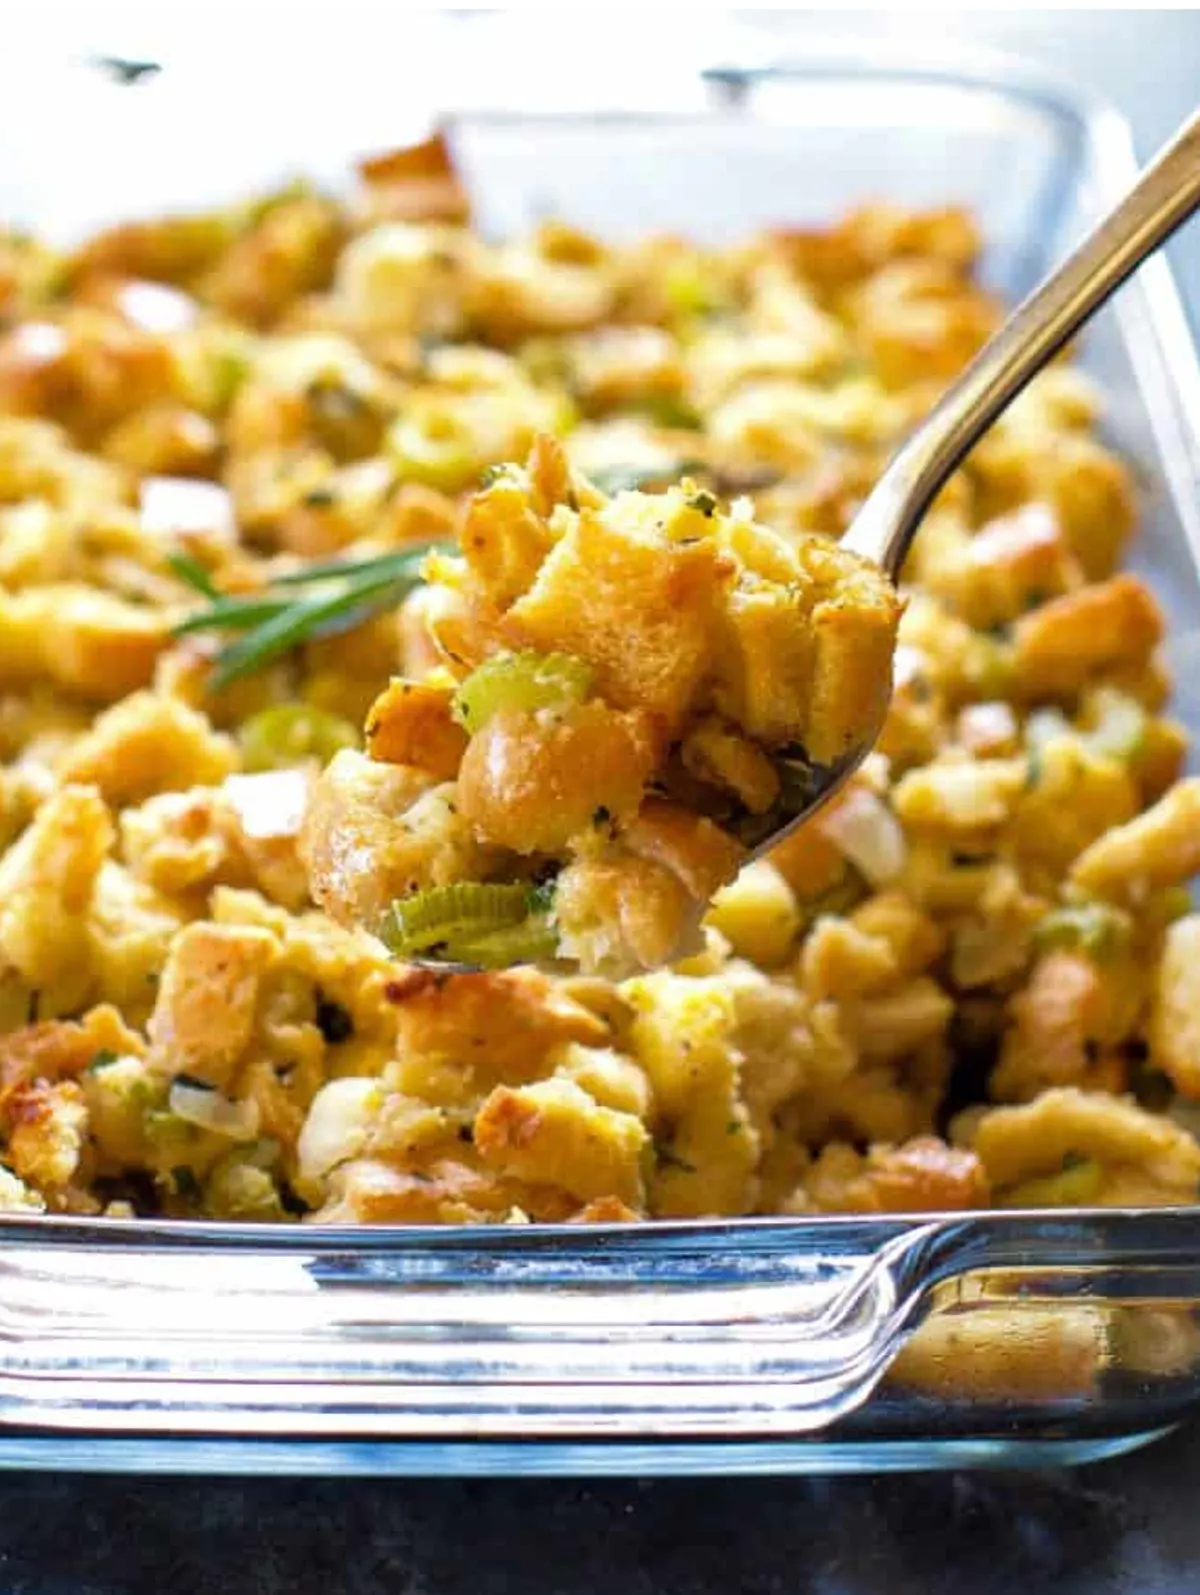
x=1127 y=1527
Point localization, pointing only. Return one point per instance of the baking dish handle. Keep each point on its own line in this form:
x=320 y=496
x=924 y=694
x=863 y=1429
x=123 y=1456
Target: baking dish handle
x=771 y=1328
x=703 y=1331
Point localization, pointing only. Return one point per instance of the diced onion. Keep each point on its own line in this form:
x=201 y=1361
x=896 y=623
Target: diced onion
x=908 y=665
x=270 y=803
x=173 y=504
x=156 y=307
x=868 y=834
x=337 y=1124
x=211 y=1110
x=39 y=340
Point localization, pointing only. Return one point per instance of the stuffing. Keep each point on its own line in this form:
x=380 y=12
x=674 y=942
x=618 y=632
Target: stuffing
x=376 y=593
x=1064 y=1124
x=146 y=744
x=1173 y=1030
x=376 y=831
x=922 y=1175
x=47 y=879
x=554 y=1133
x=204 y=1014
x=1161 y=847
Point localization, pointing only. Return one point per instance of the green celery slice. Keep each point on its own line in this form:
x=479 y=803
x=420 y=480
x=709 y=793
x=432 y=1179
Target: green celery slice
x=528 y=681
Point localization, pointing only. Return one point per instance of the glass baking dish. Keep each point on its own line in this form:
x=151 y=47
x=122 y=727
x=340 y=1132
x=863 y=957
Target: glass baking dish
x=751 y=1346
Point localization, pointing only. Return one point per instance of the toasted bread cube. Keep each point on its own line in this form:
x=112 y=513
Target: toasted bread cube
x=642 y=611
x=531 y=782
x=620 y=913
x=855 y=638
x=1019 y=1143
x=1061 y=1025
x=962 y=796
x=374 y=832
x=554 y=1133
x=46 y=882
x=914 y=939
x=1060 y=646
x=130 y=926
x=508 y=1024
x=1174 y=1032
x=1159 y=848
x=82 y=639
x=1094 y=499
x=841 y=960
x=921 y=1176
x=722 y=758
x=757 y=913
x=147 y=744
x=411 y=723
x=765 y=663
x=47 y=1134
x=504 y=541
x=1010 y=564
x=207 y=1004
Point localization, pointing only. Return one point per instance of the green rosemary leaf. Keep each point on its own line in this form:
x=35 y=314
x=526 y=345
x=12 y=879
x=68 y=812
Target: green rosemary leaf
x=233 y=614
x=322 y=614
x=401 y=563
x=192 y=572
x=343 y=594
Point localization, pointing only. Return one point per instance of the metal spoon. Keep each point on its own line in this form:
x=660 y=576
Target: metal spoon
x=1165 y=195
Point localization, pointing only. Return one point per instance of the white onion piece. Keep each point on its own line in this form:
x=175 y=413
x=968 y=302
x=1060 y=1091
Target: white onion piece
x=270 y=803
x=173 y=504
x=210 y=1109
x=155 y=307
x=39 y=340
x=908 y=664
x=337 y=1124
x=868 y=834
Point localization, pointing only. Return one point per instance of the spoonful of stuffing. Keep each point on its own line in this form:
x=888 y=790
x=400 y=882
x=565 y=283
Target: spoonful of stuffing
x=632 y=696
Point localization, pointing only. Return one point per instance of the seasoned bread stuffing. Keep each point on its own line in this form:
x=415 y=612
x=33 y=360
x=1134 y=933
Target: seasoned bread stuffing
x=372 y=589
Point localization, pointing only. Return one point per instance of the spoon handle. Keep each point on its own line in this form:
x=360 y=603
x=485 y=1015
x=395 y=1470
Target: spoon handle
x=1164 y=196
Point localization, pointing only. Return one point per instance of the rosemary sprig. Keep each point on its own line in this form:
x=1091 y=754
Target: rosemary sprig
x=633 y=478
x=192 y=572
x=342 y=595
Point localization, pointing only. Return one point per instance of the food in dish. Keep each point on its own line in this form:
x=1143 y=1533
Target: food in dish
x=242 y=666
x=617 y=677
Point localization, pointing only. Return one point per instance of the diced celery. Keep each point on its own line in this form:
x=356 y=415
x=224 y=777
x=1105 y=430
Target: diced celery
x=1092 y=928
x=528 y=681
x=533 y=940
x=291 y=733
x=444 y=915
